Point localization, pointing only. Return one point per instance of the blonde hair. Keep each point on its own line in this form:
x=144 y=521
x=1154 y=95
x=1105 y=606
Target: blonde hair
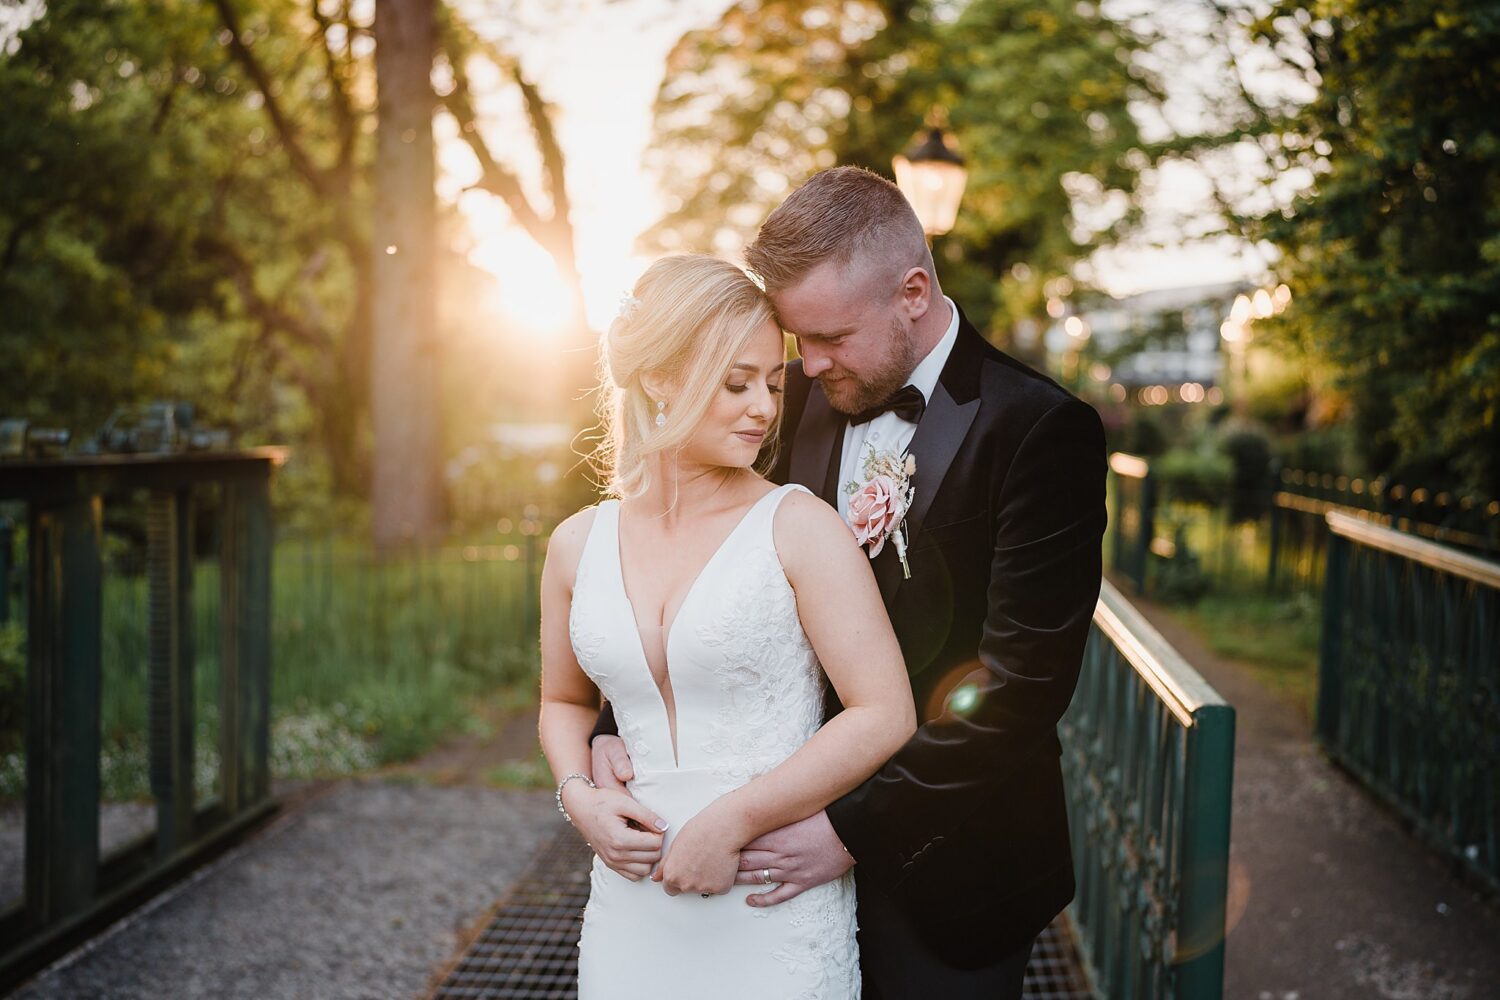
x=837 y=215
x=687 y=323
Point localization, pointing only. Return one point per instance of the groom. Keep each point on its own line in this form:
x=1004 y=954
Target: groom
x=960 y=843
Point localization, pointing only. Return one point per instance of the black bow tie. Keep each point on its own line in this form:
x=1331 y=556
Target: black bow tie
x=908 y=403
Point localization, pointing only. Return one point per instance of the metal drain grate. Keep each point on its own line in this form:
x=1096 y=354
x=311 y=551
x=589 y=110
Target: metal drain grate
x=530 y=950
x=1054 y=972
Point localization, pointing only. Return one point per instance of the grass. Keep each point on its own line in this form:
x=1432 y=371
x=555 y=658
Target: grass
x=1215 y=584
x=526 y=774
x=1275 y=636
x=374 y=661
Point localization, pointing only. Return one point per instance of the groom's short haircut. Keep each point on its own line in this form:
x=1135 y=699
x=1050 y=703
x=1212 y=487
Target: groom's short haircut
x=838 y=215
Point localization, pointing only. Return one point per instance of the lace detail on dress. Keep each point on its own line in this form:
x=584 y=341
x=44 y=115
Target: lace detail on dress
x=831 y=960
x=586 y=638
x=749 y=694
x=770 y=683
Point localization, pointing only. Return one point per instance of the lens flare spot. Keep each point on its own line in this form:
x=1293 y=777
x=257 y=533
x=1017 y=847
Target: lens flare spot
x=964 y=699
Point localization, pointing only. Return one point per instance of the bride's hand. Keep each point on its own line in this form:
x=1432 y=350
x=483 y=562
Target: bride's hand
x=625 y=834
x=704 y=856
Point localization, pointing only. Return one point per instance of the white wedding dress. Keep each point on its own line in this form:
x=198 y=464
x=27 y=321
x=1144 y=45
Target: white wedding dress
x=749 y=693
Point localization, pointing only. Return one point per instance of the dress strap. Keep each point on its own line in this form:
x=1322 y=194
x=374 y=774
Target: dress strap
x=766 y=506
x=604 y=534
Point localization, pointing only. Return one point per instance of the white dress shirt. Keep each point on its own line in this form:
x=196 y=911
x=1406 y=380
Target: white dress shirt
x=889 y=432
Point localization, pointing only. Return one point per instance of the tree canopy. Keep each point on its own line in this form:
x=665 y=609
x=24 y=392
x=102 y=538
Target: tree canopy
x=1036 y=91
x=185 y=211
x=1393 y=254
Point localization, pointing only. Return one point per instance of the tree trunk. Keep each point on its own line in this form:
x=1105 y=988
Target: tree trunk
x=407 y=489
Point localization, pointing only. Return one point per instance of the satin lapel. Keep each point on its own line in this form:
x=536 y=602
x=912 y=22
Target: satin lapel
x=941 y=431
x=817 y=437
x=939 y=434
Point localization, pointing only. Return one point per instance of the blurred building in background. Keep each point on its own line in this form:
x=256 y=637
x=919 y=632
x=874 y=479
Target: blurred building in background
x=1156 y=346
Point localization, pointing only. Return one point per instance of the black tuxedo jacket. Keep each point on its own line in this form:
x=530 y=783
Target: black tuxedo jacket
x=966 y=827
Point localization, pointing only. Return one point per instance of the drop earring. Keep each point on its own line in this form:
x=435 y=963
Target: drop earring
x=661 y=413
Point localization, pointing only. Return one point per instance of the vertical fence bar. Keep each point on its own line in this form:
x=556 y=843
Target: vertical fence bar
x=7 y=545
x=1205 y=853
x=170 y=657
x=1148 y=530
x=68 y=887
x=245 y=659
x=1273 y=542
x=63 y=664
x=1409 y=671
x=1330 y=643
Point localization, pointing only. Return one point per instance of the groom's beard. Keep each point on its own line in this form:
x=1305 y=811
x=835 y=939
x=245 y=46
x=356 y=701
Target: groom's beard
x=849 y=394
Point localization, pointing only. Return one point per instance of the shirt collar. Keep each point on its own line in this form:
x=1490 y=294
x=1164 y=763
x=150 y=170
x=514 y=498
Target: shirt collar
x=925 y=375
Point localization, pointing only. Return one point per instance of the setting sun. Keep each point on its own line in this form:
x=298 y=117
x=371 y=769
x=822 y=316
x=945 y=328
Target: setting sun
x=529 y=289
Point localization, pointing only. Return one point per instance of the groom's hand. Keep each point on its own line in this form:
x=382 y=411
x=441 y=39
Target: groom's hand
x=611 y=763
x=799 y=856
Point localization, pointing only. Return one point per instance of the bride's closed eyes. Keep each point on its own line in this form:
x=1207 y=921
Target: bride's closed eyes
x=742 y=386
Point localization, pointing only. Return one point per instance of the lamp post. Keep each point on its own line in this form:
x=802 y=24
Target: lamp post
x=932 y=176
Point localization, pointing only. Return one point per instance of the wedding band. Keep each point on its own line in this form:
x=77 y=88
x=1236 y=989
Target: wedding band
x=765 y=876
x=705 y=895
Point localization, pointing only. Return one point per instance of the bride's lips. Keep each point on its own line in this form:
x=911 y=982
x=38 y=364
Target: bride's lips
x=754 y=437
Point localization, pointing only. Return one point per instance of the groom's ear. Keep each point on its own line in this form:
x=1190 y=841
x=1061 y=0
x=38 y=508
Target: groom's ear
x=916 y=292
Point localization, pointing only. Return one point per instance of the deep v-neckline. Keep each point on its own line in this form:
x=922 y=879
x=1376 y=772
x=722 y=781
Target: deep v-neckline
x=669 y=629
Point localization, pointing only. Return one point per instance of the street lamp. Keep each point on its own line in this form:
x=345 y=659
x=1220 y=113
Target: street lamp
x=932 y=176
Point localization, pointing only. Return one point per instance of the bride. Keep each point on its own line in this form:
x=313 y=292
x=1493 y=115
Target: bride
x=707 y=605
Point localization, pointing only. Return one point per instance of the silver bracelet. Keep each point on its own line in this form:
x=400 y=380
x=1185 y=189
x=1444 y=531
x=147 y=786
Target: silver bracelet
x=563 y=783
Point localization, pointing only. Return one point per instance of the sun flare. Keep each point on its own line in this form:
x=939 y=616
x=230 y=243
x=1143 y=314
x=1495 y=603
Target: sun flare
x=530 y=291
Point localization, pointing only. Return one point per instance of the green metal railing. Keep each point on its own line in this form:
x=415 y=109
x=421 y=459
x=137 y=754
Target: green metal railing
x=1273 y=537
x=70 y=883
x=1409 y=682
x=1148 y=755
x=1134 y=525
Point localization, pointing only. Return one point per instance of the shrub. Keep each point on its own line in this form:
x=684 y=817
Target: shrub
x=1249 y=453
x=1193 y=476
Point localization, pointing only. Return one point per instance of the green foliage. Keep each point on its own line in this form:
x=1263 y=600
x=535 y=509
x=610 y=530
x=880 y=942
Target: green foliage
x=531 y=773
x=1179 y=578
x=1394 y=255
x=1143 y=435
x=160 y=239
x=1249 y=454
x=771 y=93
x=12 y=684
x=1330 y=449
x=1194 y=475
x=1276 y=637
x=1039 y=94
x=373 y=661
x=1036 y=92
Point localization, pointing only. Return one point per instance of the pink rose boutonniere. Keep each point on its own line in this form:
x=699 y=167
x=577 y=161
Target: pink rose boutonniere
x=878 y=506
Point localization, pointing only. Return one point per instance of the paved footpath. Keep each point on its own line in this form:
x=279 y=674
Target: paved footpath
x=1330 y=896
x=363 y=892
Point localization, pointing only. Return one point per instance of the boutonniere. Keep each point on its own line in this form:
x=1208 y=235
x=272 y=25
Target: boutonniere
x=878 y=506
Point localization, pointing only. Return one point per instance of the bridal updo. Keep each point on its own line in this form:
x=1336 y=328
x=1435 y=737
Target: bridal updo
x=686 y=321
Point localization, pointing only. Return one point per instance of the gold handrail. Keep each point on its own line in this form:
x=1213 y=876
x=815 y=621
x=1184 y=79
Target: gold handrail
x=1181 y=688
x=1438 y=557
x=1129 y=465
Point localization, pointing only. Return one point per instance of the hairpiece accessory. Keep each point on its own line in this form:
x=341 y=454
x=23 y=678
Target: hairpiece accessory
x=661 y=413
x=628 y=305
